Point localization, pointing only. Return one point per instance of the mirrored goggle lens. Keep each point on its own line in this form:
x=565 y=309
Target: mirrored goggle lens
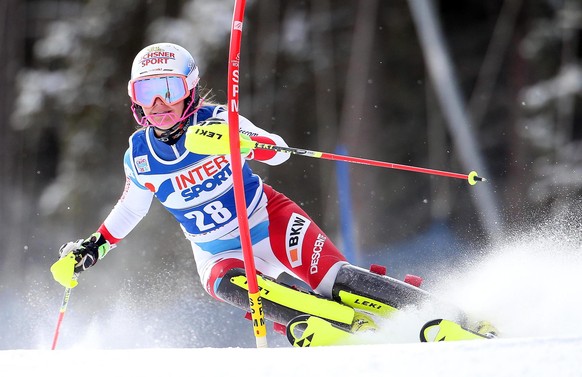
x=171 y=89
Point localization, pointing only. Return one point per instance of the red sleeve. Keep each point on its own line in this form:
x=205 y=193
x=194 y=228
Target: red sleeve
x=107 y=235
x=263 y=154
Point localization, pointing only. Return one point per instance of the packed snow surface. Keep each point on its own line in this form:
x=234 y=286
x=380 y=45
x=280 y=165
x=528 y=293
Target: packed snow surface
x=508 y=357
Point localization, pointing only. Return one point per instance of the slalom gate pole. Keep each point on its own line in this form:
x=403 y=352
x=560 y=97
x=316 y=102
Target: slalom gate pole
x=472 y=177
x=256 y=305
x=62 y=311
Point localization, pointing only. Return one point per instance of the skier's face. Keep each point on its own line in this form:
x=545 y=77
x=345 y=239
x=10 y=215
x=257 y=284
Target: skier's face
x=162 y=115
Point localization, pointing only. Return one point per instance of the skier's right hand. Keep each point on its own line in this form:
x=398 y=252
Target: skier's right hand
x=77 y=256
x=211 y=137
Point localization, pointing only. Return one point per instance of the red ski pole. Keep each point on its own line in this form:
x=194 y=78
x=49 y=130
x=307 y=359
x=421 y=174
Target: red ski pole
x=472 y=177
x=214 y=139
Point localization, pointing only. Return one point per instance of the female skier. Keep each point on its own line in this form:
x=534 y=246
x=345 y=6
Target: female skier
x=198 y=191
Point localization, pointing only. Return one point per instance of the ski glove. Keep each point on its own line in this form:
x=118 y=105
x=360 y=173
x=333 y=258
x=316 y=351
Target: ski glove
x=211 y=137
x=77 y=256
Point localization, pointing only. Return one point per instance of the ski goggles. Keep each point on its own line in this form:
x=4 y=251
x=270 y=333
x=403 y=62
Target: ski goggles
x=170 y=89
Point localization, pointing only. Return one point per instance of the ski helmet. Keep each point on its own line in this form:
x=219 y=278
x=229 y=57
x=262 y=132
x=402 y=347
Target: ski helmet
x=164 y=59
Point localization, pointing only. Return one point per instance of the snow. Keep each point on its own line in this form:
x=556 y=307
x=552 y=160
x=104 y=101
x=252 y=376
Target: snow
x=529 y=287
x=502 y=357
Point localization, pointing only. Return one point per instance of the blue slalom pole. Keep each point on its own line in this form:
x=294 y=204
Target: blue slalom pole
x=345 y=207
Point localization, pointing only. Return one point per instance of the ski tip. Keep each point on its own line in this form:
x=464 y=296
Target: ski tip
x=429 y=331
x=441 y=330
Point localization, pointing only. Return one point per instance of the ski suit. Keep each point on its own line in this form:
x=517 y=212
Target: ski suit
x=198 y=191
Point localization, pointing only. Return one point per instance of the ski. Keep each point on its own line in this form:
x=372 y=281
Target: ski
x=311 y=331
x=442 y=330
x=311 y=320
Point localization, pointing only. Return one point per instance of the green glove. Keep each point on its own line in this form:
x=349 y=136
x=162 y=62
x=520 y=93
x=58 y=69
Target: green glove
x=246 y=144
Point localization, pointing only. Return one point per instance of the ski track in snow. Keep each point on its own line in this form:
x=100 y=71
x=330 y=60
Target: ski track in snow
x=529 y=287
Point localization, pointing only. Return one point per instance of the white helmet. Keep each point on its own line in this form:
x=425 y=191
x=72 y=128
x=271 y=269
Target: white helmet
x=164 y=58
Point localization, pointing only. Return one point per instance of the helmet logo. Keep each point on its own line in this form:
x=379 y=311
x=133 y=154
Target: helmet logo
x=191 y=66
x=156 y=55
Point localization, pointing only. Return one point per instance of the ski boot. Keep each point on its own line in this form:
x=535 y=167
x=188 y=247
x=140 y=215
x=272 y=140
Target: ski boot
x=311 y=331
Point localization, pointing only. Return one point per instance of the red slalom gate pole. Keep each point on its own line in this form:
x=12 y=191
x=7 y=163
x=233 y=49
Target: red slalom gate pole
x=256 y=305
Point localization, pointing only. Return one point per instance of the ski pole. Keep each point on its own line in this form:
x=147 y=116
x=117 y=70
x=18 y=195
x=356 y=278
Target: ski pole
x=62 y=311
x=472 y=177
x=213 y=138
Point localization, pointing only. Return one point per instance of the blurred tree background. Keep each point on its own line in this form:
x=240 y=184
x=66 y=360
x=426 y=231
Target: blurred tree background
x=323 y=74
